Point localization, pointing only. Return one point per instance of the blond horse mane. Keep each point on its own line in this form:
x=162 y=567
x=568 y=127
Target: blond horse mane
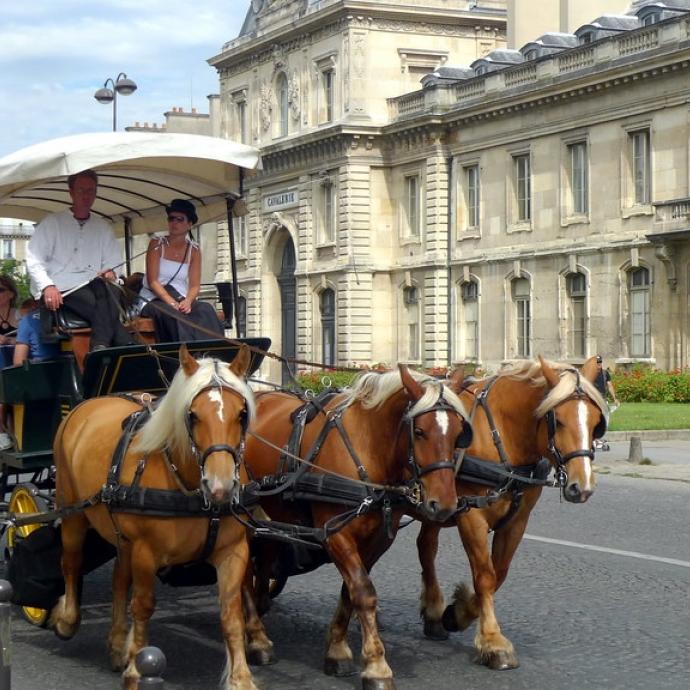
x=532 y=372
x=166 y=427
x=373 y=389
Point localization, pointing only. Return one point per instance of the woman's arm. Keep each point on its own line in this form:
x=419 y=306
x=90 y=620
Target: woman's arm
x=194 y=281
x=21 y=354
x=153 y=262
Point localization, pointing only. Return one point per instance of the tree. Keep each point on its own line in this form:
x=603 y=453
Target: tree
x=17 y=271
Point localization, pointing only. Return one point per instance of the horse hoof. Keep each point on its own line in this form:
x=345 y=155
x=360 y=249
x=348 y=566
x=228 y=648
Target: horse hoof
x=260 y=657
x=499 y=660
x=435 y=630
x=339 y=667
x=378 y=684
x=448 y=620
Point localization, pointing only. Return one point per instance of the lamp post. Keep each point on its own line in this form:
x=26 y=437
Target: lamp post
x=121 y=85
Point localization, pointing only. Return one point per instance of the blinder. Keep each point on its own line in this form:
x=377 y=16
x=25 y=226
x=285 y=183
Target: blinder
x=466 y=435
x=600 y=428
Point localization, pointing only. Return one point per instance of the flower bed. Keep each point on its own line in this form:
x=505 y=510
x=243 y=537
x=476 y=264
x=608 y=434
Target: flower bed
x=644 y=384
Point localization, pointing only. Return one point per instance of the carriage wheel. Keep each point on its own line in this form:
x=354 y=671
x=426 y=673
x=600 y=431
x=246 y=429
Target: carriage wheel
x=23 y=501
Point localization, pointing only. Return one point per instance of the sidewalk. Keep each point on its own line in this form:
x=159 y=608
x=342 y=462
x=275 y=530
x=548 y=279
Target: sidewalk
x=669 y=451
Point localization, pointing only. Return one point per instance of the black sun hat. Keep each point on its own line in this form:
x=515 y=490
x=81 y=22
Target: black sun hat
x=183 y=206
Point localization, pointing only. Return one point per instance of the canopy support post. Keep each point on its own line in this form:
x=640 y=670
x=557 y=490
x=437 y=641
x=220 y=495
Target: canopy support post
x=230 y=203
x=128 y=245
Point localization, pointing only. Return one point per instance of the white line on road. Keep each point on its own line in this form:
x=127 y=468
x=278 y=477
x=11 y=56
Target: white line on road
x=606 y=549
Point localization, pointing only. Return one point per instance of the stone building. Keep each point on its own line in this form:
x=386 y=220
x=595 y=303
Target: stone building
x=526 y=199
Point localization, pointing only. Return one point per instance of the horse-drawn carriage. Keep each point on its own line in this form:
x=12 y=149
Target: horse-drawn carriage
x=336 y=473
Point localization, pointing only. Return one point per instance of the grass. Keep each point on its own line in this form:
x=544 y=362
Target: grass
x=643 y=415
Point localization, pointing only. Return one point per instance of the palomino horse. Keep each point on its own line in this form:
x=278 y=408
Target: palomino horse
x=190 y=445
x=536 y=410
x=396 y=430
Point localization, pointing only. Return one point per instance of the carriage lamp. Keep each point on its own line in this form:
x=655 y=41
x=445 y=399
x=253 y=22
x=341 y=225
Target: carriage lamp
x=121 y=85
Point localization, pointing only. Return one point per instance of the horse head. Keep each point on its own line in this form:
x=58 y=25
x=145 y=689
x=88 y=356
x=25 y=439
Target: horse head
x=574 y=414
x=438 y=425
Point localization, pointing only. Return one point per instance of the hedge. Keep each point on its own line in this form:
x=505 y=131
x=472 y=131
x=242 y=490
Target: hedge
x=644 y=384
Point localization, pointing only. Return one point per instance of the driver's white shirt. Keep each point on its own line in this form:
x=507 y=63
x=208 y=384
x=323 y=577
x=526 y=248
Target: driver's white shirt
x=66 y=254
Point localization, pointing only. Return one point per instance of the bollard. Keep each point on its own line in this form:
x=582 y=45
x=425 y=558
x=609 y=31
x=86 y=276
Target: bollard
x=5 y=636
x=150 y=663
x=635 y=454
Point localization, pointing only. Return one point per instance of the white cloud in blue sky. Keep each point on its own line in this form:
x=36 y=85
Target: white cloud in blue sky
x=55 y=54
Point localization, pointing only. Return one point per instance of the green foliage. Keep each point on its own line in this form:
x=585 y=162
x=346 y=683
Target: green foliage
x=317 y=381
x=644 y=384
x=15 y=269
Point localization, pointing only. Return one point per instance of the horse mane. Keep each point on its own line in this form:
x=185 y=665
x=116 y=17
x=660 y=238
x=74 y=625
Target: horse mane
x=531 y=372
x=372 y=389
x=166 y=427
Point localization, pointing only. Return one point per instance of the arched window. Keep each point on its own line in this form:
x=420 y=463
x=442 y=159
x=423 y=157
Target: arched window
x=469 y=293
x=640 y=315
x=328 y=342
x=283 y=105
x=523 y=316
x=577 y=321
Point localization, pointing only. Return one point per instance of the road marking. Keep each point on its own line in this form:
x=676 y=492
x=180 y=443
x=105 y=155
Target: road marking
x=606 y=549
x=193 y=635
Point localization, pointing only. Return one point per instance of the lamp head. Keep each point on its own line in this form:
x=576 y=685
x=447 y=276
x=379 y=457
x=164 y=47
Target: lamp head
x=125 y=86
x=104 y=95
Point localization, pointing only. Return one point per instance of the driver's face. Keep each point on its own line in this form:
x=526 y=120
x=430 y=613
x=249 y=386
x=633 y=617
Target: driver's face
x=83 y=193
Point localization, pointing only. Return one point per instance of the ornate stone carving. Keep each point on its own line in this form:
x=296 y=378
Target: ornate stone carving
x=293 y=96
x=265 y=106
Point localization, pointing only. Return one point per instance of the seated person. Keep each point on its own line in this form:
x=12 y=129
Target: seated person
x=75 y=252
x=9 y=317
x=173 y=279
x=29 y=344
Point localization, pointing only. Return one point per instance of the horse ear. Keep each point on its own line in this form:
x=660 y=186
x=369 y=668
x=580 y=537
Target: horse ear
x=456 y=379
x=243 y=358
x=589 y=369
x=189 y=364
x=412 y=386
x=549 y=372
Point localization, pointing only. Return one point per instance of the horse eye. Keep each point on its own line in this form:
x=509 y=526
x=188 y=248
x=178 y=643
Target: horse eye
x=419 y=433
x=193 y=419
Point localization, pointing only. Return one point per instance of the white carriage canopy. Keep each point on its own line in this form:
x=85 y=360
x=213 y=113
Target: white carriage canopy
x=139 y=173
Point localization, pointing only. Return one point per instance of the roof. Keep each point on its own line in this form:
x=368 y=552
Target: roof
x=139 y=173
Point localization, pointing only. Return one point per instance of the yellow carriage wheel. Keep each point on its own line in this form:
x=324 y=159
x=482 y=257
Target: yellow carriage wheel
x=23 y=501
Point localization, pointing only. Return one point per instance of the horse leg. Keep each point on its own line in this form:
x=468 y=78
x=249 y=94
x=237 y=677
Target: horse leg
x=143 y=572
x=231 y=566
x=259 y=646
x=122 y=581
x=66 y=616
x=431 y=603
x=339 y=661
x=493 y=649
x=376 y=674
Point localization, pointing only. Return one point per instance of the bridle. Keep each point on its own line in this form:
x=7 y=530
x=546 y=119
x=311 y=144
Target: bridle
x=237 y=453
x=551 y=427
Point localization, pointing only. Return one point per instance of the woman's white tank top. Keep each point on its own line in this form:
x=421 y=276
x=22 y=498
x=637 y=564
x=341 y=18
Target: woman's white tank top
x=167 y=269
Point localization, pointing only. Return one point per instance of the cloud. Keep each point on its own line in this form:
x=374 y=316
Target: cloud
x=54 y=55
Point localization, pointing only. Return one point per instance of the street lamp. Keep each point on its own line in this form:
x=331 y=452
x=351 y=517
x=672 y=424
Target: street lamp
x=121 y=85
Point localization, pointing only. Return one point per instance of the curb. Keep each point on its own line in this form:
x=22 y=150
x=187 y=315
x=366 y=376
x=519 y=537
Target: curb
x=650 y=435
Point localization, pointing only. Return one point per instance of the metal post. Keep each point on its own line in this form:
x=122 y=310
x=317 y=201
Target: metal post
x=230 y=203
x=128 y=248
x=114 y=108
x=5 y=636
x=150 y=663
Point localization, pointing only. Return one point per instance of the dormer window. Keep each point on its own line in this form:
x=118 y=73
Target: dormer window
x=586 y=37
x=482 y=69
x=651 y=18
x=532 y=54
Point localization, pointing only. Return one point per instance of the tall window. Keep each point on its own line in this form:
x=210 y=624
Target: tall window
x=412 y=205
x=470 y=319
x=327 y=89
x=7 y=248
x=472 y=196
x=523 y=188
x=640 y=165
x=579 y=178
x=326 y=211
x=411 y=304
x=328 y=345
x=523 y=316
x=283 y=105
x=640 y=314
x=577 y=294
x=239 y=225
x=242 y=316
x=241 y=113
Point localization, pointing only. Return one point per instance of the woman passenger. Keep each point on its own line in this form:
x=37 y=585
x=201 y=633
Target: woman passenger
x=9 y=318
x=172 y=282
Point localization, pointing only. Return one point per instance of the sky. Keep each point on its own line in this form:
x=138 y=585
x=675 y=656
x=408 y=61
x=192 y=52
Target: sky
x=54 y=55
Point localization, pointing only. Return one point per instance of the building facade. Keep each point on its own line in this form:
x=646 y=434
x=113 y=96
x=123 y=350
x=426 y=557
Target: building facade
x=521 y=202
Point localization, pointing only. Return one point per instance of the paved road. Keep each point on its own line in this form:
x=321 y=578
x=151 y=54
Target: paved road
x=597 y=598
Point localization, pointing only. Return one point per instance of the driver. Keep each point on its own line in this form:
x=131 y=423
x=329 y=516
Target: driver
x=75 y=248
